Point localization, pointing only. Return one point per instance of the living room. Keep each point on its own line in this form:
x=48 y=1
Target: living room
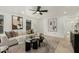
x=54 y=23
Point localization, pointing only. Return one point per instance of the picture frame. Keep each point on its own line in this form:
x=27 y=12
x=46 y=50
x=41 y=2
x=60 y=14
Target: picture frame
x=52 y=24
x=28 y=24
x=17 y=22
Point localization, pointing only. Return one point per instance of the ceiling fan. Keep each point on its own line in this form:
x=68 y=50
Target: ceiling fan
x=39 y=11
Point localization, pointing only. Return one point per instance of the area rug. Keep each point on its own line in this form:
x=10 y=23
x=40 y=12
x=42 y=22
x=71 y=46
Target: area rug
x=49 y=45
x=52 y=45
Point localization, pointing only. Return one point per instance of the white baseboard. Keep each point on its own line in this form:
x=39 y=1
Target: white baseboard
x=60 y=36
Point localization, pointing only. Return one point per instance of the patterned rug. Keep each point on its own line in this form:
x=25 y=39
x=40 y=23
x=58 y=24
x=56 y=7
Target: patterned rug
x=48 y=46
x=52 y=44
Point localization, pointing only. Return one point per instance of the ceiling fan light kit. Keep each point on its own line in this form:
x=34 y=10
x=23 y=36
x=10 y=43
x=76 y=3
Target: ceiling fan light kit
x=37 y=12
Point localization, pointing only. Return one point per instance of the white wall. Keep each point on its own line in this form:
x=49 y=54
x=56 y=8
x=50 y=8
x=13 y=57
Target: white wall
x=8 y=21
x=60 y=28
x=65 y=24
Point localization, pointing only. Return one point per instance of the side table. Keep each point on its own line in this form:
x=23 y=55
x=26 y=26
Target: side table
x=34 y=44
x=28 y=45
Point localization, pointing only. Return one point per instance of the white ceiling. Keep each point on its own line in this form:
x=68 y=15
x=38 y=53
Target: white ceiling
x=52 y=10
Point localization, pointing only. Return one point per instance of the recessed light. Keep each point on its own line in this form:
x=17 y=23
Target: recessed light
x=65 y=12
x=77 y=17
x=72 y=22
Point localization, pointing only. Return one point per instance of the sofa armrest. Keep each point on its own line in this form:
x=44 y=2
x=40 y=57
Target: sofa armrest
x=12 y=42
x=2 y=44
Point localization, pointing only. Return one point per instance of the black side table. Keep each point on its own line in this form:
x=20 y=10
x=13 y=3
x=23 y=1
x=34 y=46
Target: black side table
x=41 y=39
x=38 y=40
x=34 y=44
x=28 y=45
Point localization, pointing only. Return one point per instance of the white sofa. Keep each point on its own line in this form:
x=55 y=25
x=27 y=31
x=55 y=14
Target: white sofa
x=5 y=41
x=14 y=40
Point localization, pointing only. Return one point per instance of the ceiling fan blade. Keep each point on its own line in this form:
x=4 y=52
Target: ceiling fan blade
x=32 y=10
x=38 y=8
x=44 y=11
x=35 y=12
x=41 y=13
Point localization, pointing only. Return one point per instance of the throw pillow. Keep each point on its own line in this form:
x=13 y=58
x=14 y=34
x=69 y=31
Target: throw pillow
x=12 y=34
x=8 y=34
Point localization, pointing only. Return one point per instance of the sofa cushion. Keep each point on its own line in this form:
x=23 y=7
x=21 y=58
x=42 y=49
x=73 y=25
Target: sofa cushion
x=16 y=33
x=12 y=42
x=11 y=34
x=9 y=42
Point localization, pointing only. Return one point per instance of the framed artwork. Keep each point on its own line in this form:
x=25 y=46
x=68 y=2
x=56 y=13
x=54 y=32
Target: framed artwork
x=52 y=24
x=28 y=24
x=17 y=22
x=1 y=24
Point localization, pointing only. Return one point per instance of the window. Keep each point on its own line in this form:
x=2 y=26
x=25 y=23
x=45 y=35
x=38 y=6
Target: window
x=1 y=23
x=28 y=24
